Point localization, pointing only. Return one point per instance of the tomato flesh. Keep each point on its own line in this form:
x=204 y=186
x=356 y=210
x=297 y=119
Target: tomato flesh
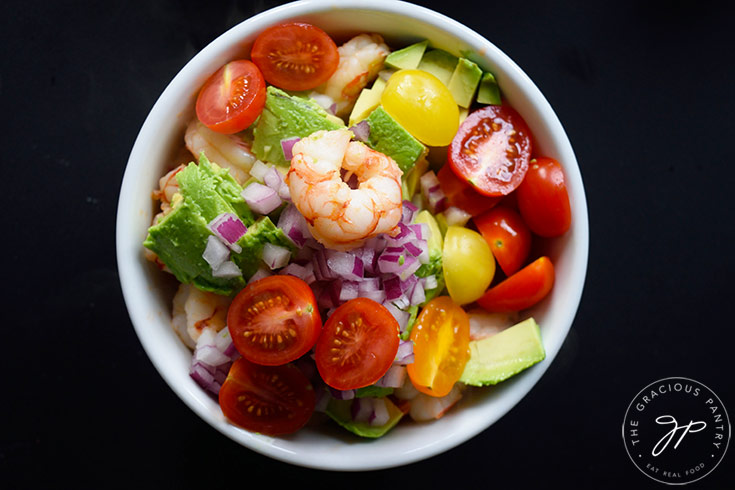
x=522 y=290
x=232 y=98
x=462 y=195
x=508 y=236
x=543 y=199
x=295 y=56
x=274 y=320
x=492 y=150
x=271 y=400
x=358 y=344
x=441 y=337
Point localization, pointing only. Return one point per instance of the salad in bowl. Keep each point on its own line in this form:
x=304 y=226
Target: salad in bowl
x=354 y=230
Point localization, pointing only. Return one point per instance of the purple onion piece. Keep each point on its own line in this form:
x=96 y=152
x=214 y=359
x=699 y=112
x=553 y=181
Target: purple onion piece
x=261 y=198
x=287 y=147
x=361 y=131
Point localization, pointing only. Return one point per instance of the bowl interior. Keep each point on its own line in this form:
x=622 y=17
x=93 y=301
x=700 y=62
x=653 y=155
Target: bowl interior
x=148 y=292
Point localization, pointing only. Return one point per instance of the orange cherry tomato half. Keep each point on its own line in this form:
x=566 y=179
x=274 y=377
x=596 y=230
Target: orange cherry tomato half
x=543 y=199
x=460 y=194
x=441 y=340
x=522 y=290
x=358 y=344
x=271 y=400
x=491 y=150
x=508 y=236
x=274 y=320
x=232 y=98
x=295 y=56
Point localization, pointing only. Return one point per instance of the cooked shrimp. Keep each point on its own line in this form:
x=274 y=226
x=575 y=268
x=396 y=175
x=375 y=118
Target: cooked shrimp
x=228 y=151
x=168 y=186
x=194 y=310
x=339 y=216
x=360 y=60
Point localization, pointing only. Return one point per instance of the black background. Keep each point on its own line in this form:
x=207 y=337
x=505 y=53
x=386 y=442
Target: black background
x=645 y=92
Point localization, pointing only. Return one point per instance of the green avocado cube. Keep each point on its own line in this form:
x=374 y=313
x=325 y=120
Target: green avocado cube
x=407 y=58
x=464 y=82
x=440 y=64
x=497 y=358
x=489 y=92
x=341 y=412
x=389 y=137
x=252 y=242
x=286 y=116
x=179 y=240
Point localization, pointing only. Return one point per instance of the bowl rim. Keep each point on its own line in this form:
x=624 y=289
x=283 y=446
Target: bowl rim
x=130 y=280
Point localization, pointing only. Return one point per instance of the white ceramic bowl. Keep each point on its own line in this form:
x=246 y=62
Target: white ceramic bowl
x=148 y=292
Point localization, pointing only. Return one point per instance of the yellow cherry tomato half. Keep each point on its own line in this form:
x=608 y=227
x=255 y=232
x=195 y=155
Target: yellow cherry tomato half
x=468 y=263
x=423 y=105
x=441 y=346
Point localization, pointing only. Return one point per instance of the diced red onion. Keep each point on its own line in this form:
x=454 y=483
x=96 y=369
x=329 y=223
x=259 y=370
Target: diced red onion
x=362 y=409
x=361 y=131
x=393 y=378
x=287 y=147
x=377 y=296
x=261 y=198
x=260 y=274
x=368 y=284
x=432 y=192
x=342 y=394
x=259 y=169
x=418 y=295
x=456 y=216
x=400 y=315
x=275 y=256
x=303 y=272
x=293 y=224
x=229 y=228
x=420 y=230
x=380 y=415
x=273 y=178
x=430 y=282
x=404 y=355
x=322 y=400
x=216 y=252
x=321 y=268
x=345 y=265
x=392 y=287
x=333 y=108
x=349 y=291
x=409 y=210
x=402 y=302
x=227 y=270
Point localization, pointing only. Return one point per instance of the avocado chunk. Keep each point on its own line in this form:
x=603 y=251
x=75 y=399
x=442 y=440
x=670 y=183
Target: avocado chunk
x=367 y=101
x=439 y=63
x=252 y=242
x=389 y=137
x=179 y=240
x=341 y=412
x=410 y=180
x=464 y=82
x=435 y=243
x=286 y=116
x=373 y=391
x=213 y=191
x=407 y=58
x=497 y=358
x=488 y=92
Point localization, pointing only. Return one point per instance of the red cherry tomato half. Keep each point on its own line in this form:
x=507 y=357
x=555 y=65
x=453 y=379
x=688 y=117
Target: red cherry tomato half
x=274 y=320
x=358 y=345
x=508 y=236
x=295 y=56
x=543 y=199
x=232 y=98
x=522 y=290
x=460 y=194
x=491 y=150
x=271 y=400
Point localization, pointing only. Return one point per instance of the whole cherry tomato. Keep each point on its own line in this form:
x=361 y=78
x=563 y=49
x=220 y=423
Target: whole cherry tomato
x=508 y=236
x=543 y=199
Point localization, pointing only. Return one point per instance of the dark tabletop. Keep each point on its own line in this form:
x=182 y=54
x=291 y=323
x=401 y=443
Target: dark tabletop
x=645 y=92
